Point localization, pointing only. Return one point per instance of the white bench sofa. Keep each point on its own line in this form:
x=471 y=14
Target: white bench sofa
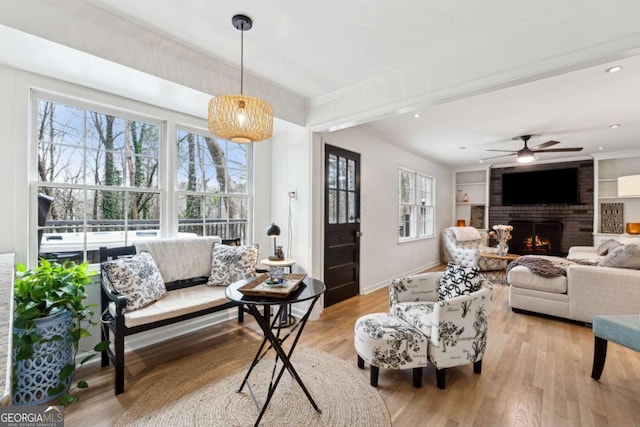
x=585 y=291
x=185 y=266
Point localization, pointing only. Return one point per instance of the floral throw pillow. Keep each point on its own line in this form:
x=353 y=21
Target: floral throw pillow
x=232 y=263
x=458 y=280
x=137 y=278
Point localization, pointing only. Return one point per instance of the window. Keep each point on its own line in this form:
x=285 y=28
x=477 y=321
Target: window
x=211 y=184
x=416 y=210
x=100 y=180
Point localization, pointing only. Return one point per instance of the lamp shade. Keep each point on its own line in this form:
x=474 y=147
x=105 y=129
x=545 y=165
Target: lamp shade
x=629 y=186
x=273 y=230
x=240 y=118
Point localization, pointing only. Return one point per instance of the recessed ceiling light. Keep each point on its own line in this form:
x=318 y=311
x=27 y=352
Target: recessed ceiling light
x=617 y=125
x=613 y=69
x=462 y=148
x=416 y=116
x=600 y=148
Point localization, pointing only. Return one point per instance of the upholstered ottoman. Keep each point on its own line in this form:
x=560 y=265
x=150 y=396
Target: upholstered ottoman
x=620 y=329
x=385 y=341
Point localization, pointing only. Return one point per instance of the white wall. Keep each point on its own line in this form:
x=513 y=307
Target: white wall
x=381 y=256
x=290 y=172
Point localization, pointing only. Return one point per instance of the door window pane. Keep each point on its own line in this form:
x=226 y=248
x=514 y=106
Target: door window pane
x=333 y=207
x=333 y=171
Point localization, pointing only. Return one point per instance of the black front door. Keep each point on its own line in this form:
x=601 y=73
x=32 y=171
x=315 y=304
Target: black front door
x=341 y=224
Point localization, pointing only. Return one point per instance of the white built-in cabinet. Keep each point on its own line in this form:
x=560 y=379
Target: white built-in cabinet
x=471 y=189
x=607 y=169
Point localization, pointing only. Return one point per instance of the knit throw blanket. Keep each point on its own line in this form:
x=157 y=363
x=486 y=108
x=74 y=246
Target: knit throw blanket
x=545 y=266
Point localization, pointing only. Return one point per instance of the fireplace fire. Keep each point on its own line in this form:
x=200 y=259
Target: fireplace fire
x=540 y=238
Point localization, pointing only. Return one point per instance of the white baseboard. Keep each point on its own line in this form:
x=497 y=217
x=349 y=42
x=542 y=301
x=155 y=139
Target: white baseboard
x=384 y=283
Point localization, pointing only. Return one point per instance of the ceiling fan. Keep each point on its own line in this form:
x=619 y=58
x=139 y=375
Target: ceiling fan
x=525 y=155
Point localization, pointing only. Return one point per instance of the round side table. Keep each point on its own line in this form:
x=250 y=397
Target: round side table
x=286 y=318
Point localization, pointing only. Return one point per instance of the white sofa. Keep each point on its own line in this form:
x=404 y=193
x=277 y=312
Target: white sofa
x=585 y=291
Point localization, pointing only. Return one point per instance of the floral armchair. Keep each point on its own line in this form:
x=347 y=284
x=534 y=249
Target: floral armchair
x=456 y=327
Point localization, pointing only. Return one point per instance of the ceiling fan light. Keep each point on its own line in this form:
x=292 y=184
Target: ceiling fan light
x=525 y=156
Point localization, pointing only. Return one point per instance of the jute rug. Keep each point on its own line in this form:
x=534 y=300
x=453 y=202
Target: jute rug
x=203 y=392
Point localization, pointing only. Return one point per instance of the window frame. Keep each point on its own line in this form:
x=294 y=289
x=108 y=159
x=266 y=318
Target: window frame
x=167 y=122
x=420 y=225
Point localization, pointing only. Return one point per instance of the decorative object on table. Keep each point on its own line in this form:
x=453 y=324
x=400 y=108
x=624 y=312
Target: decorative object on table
x=466 y=198
x=502 y=233
x=276 y=275
x=477 y=216
x=273 y=231
x=460 y=223
x=213 y=377
x=611 y=215
x=633 y=227
x=260 y=286
x=240 y=118
x=50 y=318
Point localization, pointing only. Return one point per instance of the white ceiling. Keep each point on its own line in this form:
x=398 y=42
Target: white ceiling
x=479 y=73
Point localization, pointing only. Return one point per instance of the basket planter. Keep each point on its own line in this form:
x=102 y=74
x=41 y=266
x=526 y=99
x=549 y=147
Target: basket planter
x=41 y=373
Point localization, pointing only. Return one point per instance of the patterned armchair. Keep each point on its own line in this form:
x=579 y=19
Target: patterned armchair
x=462 y=245
x=456 y=328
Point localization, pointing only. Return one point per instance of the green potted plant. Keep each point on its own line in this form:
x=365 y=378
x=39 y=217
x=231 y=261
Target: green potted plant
x=50 y=318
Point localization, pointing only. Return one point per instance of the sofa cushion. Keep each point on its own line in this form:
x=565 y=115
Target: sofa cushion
x=232 y=263
x=458 y=280
x=521 y=277
x=137 y=278
x=607 y=246
x=624 y=256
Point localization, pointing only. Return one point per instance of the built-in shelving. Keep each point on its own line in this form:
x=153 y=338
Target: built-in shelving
x=474 y=185
x=608 y=167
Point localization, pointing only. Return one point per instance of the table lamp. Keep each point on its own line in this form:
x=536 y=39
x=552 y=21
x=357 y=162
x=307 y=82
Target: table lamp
x=272 y=231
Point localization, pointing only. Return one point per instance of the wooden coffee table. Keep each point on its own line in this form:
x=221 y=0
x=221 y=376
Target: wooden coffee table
x=498 y=275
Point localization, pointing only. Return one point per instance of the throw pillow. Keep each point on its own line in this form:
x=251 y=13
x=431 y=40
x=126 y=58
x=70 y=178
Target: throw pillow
x=624 y=256
x=458 y=280
x=137 y=278
x=607 y=246
x=232 y=263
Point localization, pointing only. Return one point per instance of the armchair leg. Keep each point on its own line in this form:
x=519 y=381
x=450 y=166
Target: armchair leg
x=440 y=378
x=599 y=356
x=360 y=362
x=417 y=377
x=477 y=366
x=374 y=376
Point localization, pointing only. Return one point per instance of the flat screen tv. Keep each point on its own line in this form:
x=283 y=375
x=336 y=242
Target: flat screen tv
x=544 y=187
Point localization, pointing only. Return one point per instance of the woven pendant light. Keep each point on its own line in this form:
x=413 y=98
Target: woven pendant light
x=240 y=118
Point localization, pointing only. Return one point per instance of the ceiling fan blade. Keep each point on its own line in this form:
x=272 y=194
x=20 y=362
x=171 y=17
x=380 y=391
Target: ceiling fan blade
x=495 y=157
x=504 y=151
x=559 y=150
x=544 y=145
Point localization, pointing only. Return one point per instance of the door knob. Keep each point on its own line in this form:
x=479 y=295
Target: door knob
x=358 y=234
x=358 y=220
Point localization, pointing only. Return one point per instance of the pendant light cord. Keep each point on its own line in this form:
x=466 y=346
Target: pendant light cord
x=241 y=59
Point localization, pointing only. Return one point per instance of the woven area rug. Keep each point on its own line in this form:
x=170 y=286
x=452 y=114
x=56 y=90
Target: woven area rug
x=203 y=393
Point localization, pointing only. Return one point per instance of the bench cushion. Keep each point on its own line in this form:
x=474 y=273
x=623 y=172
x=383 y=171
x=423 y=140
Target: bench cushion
x=175 y=303
x=181 y=258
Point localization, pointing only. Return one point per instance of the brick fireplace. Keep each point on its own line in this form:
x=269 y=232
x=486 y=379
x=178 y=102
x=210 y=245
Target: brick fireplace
x=575 y=222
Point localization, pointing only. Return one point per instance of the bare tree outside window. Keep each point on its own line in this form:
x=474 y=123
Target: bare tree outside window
x=102 y=173
x=212 y=185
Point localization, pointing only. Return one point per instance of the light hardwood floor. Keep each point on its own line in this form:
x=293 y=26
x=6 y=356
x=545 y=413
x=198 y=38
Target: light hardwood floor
x=536 y=372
